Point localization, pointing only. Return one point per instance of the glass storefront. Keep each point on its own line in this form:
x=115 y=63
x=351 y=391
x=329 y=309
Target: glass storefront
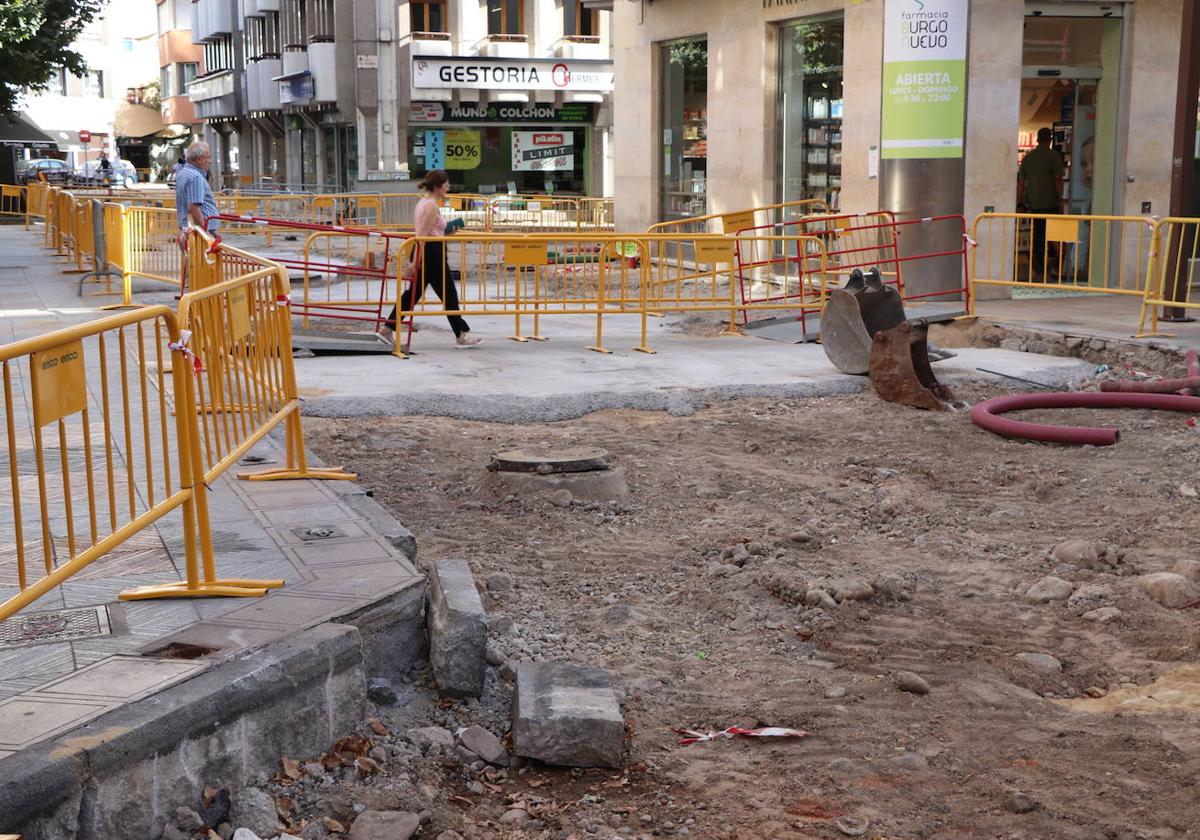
x=685 y=129
x=810 y=110
x=531 y=160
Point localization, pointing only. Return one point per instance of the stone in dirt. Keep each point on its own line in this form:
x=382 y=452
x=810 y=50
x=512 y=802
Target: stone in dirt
x=819 y=598
x=484 y=744
x=499 y=582
x=561 y=498
x=170 y=832
x=255 y=810
x=851 y=589
x=246 y=834
x=568 y=715
x=1090 y=596
x=1020 y=803
x=1049 y=589
x=384 y=825
x=515 y=818
x=381 y=692
x=912 y=683
x=911 y=761
x=1104 y=615
x=187 y=820
x=457 y=630
x=428 y=736
x=1079 y=553
x=1169 y=589
x=1043 y=663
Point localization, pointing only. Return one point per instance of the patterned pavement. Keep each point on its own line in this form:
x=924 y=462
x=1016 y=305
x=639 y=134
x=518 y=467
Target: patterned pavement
x=78 y=652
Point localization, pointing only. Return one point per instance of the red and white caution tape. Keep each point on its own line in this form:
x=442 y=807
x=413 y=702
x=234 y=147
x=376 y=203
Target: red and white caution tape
x=182 y=346
x=970 y=241
x=691 y=736
x=283 y=300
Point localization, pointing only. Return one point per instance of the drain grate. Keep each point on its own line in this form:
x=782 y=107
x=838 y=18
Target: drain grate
x=55 y=626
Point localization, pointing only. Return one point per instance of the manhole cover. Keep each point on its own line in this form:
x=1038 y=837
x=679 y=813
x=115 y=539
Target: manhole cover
x=56 y=626
x=567 y=459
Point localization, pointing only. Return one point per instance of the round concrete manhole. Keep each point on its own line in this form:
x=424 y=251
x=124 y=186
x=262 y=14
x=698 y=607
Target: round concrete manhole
x=566 y=459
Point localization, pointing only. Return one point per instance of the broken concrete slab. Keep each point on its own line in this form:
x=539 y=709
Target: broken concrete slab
x=457 y=629
x=485 y=745
x=568 y=715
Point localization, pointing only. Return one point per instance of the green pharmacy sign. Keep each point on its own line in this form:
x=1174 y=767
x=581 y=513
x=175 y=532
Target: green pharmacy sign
x=924 y=78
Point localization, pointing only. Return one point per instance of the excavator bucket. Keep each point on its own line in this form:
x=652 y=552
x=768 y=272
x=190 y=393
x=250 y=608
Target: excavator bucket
x=853 y=315
x=900 y=371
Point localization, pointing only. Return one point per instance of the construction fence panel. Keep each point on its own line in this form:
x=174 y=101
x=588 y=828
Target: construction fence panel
x=523 y=276
x=532 y=213
x=152 y=248
x=1062 y=253
x=345 y=276
x=1173 y=274
x=237 y=323
x=94 y=454
x=13 y=201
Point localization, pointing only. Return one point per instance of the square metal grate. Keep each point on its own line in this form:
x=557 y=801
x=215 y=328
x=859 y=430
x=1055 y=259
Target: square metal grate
x=54 y=626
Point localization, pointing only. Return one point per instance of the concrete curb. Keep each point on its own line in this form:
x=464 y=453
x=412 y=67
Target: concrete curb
x=122 y=774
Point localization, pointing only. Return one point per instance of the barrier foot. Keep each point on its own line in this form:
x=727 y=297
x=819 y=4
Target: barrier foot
x=537 y=338
x=292 y=474
x=642 y=348
x=113 y=307
x=229 y=588
x=732 y=330
x=520 y=339
x=1154 y=334
x=598 y=348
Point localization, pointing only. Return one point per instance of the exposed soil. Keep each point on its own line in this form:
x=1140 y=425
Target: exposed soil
x=691 y=593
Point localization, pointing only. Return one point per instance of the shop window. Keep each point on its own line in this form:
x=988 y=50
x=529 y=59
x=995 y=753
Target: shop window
x=427 y=15
x=579 y=21
x=488 y=159
x=506 y=17
x=810 y=112
x=685 y=129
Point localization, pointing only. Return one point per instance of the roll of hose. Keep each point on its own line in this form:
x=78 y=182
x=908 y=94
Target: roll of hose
x=986 y=414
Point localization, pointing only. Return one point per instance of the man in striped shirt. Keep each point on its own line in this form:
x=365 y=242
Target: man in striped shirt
x=194 y=201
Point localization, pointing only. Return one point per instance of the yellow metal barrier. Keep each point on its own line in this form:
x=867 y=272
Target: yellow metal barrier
x=35 y=194
x=113 y=462
x=13 y=202
x=593 y=274
x=1064 y=253
x=597 y=214
x=532 y=213
x=152 y=249
x=364 y=209
x=239 y=319
x=1173 y=274
x=737 y=220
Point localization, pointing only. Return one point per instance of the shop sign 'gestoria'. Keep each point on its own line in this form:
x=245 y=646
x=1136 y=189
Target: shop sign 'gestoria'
x=511 y=74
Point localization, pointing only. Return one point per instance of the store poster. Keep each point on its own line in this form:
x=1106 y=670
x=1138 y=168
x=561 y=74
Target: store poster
x=924 y=78
x=543 y=151
x=456 y=149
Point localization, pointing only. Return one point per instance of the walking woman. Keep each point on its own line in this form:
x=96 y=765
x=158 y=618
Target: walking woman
x=432 y=268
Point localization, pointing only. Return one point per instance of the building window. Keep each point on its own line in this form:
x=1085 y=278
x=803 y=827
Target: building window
x=427 y=15
x=188 y=70
x=166 y=16
x=292 y=23
x=579 y=21
x=165 y=88
x=506 y=17
x=218 y=55
x=93 y=84
x=58 y=82
x=320 y=21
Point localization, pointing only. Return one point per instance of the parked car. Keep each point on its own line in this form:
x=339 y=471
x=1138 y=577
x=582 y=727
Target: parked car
x=122 y=172
x=50 y=169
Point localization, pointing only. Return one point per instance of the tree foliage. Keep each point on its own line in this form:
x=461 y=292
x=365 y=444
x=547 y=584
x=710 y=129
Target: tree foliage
x=35 y=40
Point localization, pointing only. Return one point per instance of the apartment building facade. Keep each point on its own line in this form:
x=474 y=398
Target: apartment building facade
x=506 y=95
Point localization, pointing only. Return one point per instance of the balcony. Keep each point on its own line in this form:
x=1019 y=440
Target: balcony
x=178 y=110
x=503 y=46
x=213 y=96
x=581 y=46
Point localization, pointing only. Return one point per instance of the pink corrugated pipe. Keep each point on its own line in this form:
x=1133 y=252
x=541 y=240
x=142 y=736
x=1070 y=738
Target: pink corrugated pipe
x=986 y=414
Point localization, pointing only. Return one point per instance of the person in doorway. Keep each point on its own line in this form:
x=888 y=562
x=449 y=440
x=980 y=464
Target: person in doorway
x=105 y=168
x=432 y=268
x=194 y=202
x=1039 y=190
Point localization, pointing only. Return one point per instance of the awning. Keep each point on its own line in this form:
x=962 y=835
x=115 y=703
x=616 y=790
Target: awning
x=16 y=130
x=136 y=121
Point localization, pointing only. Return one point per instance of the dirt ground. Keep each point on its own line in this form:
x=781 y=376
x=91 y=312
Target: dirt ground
x=691 y=592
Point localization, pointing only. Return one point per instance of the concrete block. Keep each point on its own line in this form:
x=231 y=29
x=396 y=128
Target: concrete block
x=457 y=630
x=567 y=714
